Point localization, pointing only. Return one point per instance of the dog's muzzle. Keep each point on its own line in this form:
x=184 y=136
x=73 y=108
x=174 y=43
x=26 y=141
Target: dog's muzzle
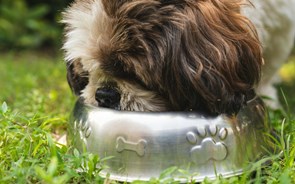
x=107 y=97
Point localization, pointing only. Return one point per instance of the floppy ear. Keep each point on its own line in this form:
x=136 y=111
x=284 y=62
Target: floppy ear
x=218 y=61
x=77 y=78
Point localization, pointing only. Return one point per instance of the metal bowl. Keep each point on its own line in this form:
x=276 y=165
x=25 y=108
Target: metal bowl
x=144 y=144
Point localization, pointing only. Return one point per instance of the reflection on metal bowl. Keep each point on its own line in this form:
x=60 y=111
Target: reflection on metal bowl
x=144 y=144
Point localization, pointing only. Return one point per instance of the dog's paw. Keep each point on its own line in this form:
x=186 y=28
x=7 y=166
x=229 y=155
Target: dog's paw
x=209 y=144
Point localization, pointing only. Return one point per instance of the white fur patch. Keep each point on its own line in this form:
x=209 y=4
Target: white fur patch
x=86 y=25
x=275 y=23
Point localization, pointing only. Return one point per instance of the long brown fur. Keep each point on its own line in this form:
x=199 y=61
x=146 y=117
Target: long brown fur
x=199 y=55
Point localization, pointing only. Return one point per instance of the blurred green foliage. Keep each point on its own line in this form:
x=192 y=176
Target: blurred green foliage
x=34 y=82
x=30 y=24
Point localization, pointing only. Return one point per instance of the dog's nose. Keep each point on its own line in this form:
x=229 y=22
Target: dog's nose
x=107 y=97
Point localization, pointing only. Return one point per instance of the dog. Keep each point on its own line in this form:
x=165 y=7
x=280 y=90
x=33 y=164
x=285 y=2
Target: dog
x=163 y=55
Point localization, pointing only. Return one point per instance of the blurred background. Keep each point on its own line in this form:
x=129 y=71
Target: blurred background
x=31 y=24
x=32 y=70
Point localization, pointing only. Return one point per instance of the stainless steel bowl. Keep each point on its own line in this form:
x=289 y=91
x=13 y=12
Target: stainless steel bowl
x=143 y=144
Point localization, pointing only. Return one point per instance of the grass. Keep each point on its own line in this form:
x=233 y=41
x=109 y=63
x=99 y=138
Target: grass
x=35 y=103
x=288 y=85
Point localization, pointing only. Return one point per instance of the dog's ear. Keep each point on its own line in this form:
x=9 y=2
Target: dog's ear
x=111 y=6
x=218 y=60
x=77 y=78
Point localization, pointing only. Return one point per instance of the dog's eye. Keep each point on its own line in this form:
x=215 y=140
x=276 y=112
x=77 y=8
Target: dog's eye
x=117 y=69
x=120 y=71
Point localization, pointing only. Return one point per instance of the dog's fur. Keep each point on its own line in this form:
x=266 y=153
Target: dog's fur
x=275 y=24
x=163 y=55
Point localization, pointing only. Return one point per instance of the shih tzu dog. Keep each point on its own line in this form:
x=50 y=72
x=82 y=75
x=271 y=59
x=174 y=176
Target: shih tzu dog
x=163 y=55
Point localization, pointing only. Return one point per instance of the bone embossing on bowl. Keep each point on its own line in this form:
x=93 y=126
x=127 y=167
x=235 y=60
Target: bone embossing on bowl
x=144 y=144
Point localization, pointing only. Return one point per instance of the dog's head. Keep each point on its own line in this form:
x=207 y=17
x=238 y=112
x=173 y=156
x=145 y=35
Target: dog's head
x=162 y=55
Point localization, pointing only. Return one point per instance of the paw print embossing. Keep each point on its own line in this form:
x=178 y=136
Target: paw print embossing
x=83 y=129
x=211 y=145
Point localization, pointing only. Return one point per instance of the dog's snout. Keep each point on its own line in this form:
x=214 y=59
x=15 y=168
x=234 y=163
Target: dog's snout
x=107 y=97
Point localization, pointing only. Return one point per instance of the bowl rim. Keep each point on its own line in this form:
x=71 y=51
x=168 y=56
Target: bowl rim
x=175 y=113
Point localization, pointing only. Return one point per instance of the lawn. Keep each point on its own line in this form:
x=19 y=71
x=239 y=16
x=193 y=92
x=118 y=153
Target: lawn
x=35 y=103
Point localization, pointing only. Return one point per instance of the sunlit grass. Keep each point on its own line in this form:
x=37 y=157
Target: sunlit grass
x=28 y=79
x=287 y=86
x=287 y=72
